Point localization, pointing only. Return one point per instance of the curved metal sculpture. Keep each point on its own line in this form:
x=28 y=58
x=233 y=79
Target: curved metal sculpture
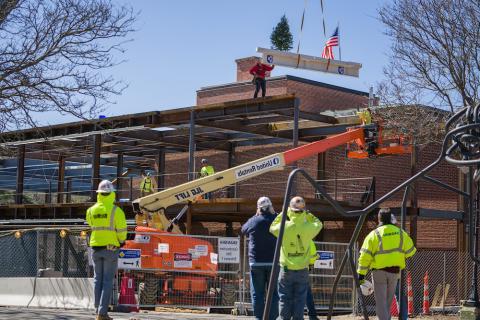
x=460 y=147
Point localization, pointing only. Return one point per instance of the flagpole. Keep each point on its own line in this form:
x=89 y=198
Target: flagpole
x=339 y=48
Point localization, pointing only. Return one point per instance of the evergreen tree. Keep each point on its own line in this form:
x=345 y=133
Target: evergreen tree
x=281 y=36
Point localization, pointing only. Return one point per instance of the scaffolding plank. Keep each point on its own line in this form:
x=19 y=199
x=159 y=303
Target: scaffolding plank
x=302 y=61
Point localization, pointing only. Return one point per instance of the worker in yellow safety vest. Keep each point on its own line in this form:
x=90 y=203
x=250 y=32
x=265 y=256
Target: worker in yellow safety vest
x=365 y=116
x=108 y=233
x=293 y=281
x=147 y=185
x=384 y=251
x=207 y=170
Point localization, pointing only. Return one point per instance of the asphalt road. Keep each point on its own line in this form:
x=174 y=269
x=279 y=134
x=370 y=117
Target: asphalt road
x=55 y=314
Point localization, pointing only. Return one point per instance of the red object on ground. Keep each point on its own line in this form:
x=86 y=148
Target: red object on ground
x=127 y=293
x=426 y=299
x=410 y=294
x=394 y=308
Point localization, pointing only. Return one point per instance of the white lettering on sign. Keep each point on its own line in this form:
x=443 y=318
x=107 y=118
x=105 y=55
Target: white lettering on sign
x=324 y=260
x=182 y=260
x=228 y=250
x=257 y=167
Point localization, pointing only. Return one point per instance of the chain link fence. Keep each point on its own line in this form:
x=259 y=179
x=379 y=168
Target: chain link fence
x=38 y=252
x=448 y=274
x=322 y=275
x=182 y=270
x=167 y=269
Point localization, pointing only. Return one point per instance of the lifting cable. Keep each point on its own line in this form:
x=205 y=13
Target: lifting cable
x=301 y=31
x=323 y=20
x=301 y=28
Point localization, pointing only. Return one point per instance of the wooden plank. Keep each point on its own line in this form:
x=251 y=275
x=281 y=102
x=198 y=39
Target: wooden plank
x=445 y=295
x=436 y=296
x=301 y=61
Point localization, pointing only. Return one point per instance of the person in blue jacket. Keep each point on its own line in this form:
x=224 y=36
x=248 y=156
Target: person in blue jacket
x=261 y=248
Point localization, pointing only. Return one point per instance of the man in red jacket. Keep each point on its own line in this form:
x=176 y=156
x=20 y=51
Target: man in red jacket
x=258 y=72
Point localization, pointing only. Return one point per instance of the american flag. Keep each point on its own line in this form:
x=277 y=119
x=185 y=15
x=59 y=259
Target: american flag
x=331 y=42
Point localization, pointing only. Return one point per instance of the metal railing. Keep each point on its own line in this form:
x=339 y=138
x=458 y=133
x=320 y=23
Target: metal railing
x=78 y=189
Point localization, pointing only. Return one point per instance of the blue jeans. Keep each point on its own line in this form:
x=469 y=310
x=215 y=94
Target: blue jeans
x=259 y=277
x=312 y=312
x=292 y=289
x=105 y=267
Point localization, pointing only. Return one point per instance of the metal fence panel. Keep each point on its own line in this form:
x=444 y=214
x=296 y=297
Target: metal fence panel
x=321 y=279
x=449 y=281
x=184 y=270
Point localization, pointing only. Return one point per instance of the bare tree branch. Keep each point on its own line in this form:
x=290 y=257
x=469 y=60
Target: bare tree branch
x=435 y=52
x=52 y=55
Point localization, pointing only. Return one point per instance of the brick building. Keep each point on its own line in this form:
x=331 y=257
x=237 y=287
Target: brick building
x=389 y=171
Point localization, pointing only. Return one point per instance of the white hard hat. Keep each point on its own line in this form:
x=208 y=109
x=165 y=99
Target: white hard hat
x=263 y=202
x=105 y=187
x=367 y=288
x=297 y=204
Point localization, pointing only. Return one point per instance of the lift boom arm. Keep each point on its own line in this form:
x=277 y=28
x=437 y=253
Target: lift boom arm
x=190 y=190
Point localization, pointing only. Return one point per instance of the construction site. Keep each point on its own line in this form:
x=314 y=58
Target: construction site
x=300 y=154
x=199 y=260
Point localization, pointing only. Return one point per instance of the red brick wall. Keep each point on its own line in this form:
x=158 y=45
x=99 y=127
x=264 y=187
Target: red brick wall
x=389 y=171
x=239 y=91
x=313 y=98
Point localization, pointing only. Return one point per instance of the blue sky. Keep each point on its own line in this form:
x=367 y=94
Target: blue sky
x=182 y=45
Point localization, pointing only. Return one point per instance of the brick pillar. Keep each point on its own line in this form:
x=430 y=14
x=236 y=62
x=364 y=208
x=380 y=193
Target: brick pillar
x=244 y=65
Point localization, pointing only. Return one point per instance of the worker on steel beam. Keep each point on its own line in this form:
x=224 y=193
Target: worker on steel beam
x=206 y=170
x=261 y=248
x=293 y=282
x=365 y=116
x=147 y=184
x=258 y=72
x=384 y=251
x=108 y=233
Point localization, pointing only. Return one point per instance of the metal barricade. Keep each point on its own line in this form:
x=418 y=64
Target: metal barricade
x=322 y=275
x=179 y=270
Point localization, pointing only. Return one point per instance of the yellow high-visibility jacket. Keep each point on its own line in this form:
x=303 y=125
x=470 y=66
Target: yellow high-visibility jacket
x=313 y=253
x=300 y=229
x=386 y=246
x=107 y=222
x=206 y=171
x=146 y=185
x=365 y=116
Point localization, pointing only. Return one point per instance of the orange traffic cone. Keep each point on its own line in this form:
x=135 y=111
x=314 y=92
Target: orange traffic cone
x=410 y=294
x=426 y=299
x=394 y=308
x=127 y=293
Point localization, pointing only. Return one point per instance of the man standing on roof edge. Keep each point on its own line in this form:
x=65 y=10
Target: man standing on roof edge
x=301 y=228
x=384 y=251
x=258 y=71
x=108 y=233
